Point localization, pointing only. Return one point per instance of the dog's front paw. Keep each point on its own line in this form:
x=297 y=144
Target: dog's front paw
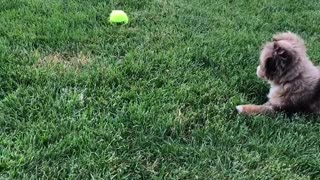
x=248 y=109
x=239 y=109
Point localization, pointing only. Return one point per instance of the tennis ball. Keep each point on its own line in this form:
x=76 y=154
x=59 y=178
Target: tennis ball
x=118 y=16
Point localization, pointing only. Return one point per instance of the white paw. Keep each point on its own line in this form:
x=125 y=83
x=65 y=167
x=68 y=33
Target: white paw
x=239 y=109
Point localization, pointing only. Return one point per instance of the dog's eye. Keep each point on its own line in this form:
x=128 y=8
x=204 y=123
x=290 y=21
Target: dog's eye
x=270 y=65
x=269 y=59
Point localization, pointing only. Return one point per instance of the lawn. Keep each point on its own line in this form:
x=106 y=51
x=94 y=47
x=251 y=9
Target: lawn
x=155 y=99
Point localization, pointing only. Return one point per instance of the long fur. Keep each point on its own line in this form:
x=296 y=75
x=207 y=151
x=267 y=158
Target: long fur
x=294 y=80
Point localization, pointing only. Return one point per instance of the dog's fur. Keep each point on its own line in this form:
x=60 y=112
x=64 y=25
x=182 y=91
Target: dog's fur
x=294 y=80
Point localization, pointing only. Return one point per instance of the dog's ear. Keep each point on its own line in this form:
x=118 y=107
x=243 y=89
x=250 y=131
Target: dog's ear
x=278 y=51
x=282 y=56
x=284 y=59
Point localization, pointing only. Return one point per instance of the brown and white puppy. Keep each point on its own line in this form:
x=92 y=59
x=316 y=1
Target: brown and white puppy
x=294 y=80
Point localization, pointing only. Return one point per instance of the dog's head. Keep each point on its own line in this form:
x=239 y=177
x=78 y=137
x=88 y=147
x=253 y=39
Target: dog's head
x=279 y=56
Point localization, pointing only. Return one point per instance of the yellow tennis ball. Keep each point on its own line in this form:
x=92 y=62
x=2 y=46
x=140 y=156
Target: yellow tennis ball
x=118 y=16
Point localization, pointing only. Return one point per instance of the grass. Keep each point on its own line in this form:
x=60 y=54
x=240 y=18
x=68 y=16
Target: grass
x=82 y=99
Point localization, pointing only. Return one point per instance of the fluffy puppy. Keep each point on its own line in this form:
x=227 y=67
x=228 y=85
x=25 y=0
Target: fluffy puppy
x=294 y=80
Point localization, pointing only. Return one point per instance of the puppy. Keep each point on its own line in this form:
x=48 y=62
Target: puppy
x=294 y=80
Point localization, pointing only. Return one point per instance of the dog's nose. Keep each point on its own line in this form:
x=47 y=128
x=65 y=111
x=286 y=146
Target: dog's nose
x=259 y=73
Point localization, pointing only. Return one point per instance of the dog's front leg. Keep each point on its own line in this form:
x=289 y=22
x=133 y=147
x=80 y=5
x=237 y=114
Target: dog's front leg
x=251 y=109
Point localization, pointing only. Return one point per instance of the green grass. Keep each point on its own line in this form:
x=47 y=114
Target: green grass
x=82 y=99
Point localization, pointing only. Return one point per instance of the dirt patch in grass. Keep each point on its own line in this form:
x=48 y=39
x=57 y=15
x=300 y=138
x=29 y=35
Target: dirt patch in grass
x=63 y=60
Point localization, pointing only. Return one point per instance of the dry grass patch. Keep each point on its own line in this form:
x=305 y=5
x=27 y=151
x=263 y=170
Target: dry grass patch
x=66 y=61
